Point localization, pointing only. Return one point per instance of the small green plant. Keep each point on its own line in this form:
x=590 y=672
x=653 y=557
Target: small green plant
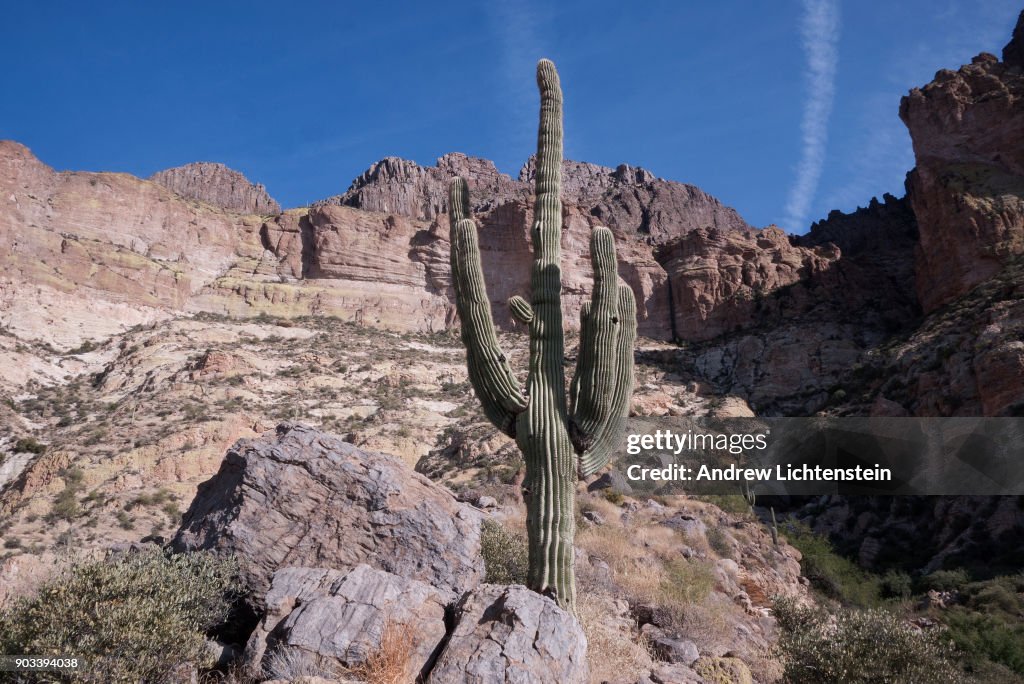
x=719 y=542
x=860 y=647
x=125 y=520
x=133 y=617
x=945 y=580
x=687 y=581
x=28 y=445
x=505 y=553
x=833 y=575
x=614 y=496
x=896 y=584
x=65 y=506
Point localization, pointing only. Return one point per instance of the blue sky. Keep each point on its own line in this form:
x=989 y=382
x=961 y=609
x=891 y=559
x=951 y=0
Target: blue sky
x=783 y=110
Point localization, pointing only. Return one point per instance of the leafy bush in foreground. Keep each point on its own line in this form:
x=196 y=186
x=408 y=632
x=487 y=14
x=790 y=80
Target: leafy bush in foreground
x=506 y=556
x=131 y=617
x=860 y=647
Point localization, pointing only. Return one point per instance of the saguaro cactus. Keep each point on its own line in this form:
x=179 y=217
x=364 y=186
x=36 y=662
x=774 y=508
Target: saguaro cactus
x=561 y=440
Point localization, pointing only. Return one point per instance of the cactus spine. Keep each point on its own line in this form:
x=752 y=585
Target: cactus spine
x=561 y=438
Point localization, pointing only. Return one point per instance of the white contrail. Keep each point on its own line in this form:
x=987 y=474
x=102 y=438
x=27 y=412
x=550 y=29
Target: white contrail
x=819 y=29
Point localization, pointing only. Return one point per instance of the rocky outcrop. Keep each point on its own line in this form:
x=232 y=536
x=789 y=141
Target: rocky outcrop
x=967 y=190
x=218 y=185
x=343 y=620
x=642 y=210
x=782 y=319
x=303 y=497
x=510 y=634
x=720 y=278
x=628 y=199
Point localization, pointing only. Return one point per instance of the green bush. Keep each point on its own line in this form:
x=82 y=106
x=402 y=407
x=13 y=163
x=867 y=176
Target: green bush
x=29 y=445
x=860 y=647
x=132 y=617
x=897 y=584
x=832 y=574
x=506 y=554
x=987 y=637
x=945 y=580
x=987 y=624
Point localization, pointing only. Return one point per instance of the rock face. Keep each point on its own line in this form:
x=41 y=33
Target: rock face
x=302 y=497
x=629 y=199
x=967 y=190
x=345 y=619
x=719 y=278
x=783 y=319
x=136 y=252
x=642 y=210
x=510 y=634
x=218 y=185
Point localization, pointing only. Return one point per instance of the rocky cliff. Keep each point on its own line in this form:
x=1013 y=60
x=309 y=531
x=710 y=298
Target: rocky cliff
x=378 y=255
x=218 y=185
x=966 y=190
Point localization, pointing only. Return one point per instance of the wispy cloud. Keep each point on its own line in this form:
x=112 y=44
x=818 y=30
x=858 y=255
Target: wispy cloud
x=819 y=29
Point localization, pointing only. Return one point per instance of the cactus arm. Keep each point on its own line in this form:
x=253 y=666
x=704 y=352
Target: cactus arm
x=583 y=361
x=489 y=370
x=595 y=370
x=608 y=437
x=521 y=310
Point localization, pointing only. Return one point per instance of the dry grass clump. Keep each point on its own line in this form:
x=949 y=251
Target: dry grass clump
x=292 y=664
x=612 y=652
x=391 y=663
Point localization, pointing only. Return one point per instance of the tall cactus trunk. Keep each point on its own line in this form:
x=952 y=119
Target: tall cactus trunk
x=541 y=430
x=559 y=444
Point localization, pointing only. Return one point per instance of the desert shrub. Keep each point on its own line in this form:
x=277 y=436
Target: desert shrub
x=29 y=445
x=612 y=653
x=832 y=574
x=730 y=503
x=860 y=647
x=945 y=580
x=718 y=540
x=687 y=581
x=896 y=584
x=614 y=497
x=506 y=554
x=987 y=637
x=293 y=664
x=987 y=626
x=131 y=617
x=65 y=506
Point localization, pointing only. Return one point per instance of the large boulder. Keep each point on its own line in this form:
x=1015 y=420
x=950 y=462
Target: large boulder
x=511 y=634
x=301 y=497
x=343 y=620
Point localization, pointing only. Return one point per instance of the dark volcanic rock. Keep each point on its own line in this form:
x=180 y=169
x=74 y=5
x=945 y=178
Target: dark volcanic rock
x=303 y=497
x=218 y=185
